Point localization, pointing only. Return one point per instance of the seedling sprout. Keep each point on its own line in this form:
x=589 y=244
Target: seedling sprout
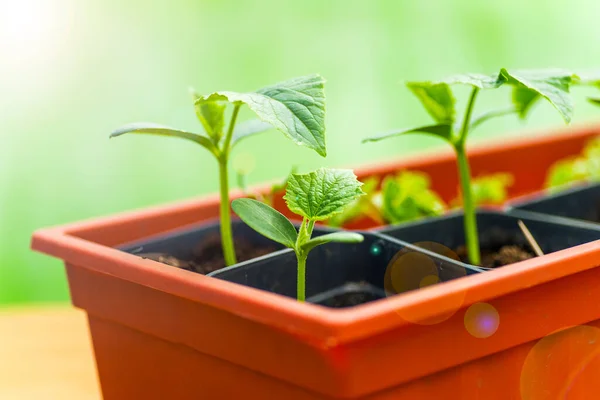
x=315 y=196
x=295 y=107
x=439 y=101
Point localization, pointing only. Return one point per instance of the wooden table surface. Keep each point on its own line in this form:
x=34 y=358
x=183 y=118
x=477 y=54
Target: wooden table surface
x=46 y=354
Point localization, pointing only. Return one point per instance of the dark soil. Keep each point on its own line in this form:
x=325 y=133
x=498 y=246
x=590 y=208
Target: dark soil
x=350 y=299
x=207 y=256
x=493 y=258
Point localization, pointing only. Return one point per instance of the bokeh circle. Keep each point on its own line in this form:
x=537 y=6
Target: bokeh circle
x=481 y=320
x=411 y=269
x=563 y=365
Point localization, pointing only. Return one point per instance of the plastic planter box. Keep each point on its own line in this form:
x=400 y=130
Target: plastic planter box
x=497 y=229
x=335 y=270
x=581 y=203
x=161 y=332
x=183 y=244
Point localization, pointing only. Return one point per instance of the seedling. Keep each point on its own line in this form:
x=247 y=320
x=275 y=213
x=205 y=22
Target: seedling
x=295 y=107
x=315 y=196
x=580 y=168
x=408 y=196
x=404 y=197
x=489 y=189
x=439 y=101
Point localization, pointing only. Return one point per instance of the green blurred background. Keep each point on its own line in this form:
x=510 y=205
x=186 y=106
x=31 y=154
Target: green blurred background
x=71 y=71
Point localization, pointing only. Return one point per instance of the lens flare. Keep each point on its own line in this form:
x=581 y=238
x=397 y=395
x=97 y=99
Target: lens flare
x=482 y=320
x=563 y=365
x=411 y=269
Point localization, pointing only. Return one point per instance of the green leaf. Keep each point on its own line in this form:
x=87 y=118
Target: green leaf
x=481 y=81
x=340 y=237
x=408 y=196
x=564 y=173
x=212 y=116
x=480 y=119
x=249 y=128
x=523 y=99
x=323 y=193
x=491 y=189
x=160 y=130
x=591 y=153
x=443 y=131
x=295 y=107
x=437 y=99
x=551 y=84
x=266 y=221
x=572 y=170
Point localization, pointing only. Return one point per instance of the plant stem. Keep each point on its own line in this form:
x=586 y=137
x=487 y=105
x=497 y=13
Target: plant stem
x=464 y=130
x=226 y=234
x=469 y=219
x=301 y=279
x=464 y=173
x=225 y=212
x=227 y=142
x=304 y=235
x=310 y=227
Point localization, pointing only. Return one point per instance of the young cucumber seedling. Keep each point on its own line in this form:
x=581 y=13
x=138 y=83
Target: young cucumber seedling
x=295 y=107
x=576 y=169
x=439 y=101
x=408 y=196
x=315 y=196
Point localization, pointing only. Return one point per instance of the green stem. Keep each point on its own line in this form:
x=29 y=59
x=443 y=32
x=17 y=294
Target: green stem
x=464 y=130
x=304 y=235
x=464 y=173
x=301 y=280
x=227 y=142
x=469 y=219
x=309 y=228
x=226 y=232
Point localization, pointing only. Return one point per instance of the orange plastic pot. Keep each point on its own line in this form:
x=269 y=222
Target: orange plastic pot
x=165 y=333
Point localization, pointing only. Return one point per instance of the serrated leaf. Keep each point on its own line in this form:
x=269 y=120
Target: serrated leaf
x=323 y=193
x=550 y=84
x=161 y=130
x=339 y=237
x=480 y=81
x=437 y=99
x=266 y=221
x=249 y=128
x=295 y=107
x=443 y=131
